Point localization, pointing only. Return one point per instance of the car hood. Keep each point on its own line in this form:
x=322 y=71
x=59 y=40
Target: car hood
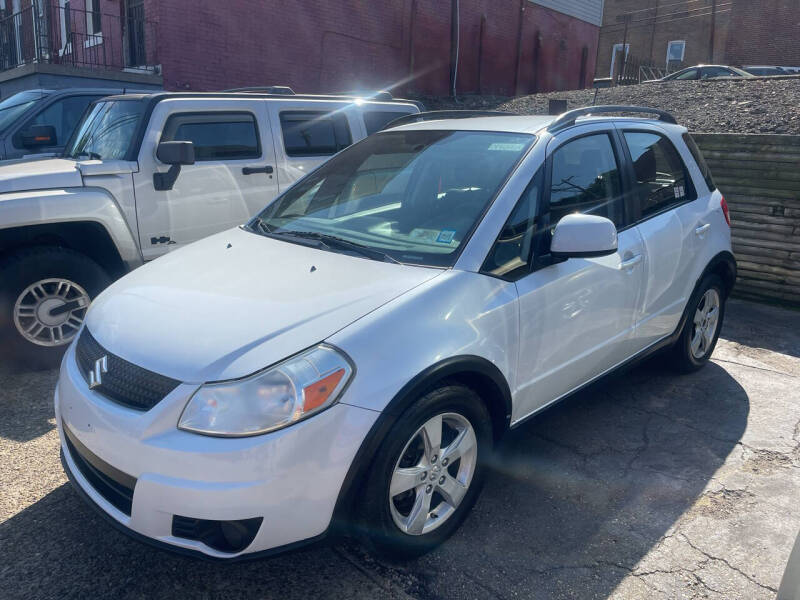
x=237 y=302
x=38 y=174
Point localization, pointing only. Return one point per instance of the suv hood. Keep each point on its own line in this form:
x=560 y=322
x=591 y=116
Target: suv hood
x=38 y=174
x=237 y=302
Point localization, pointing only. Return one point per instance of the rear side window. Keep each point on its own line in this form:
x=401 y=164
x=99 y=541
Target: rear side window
x=311 y=133
x=375 y=120
x=586 y=179
x=660 y=174
x=216 y=136
x=701 y=162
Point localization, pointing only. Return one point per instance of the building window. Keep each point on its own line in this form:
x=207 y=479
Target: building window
x=616 y=53
x=94 y=23
x=675 y=52
x=66 y=27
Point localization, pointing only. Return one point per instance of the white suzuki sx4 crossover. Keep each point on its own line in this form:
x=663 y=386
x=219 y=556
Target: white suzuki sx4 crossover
x=353 y=353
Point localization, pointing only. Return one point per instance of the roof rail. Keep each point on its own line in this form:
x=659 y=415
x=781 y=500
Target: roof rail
x=435 y=115
x=568 y=118
x=281 y=90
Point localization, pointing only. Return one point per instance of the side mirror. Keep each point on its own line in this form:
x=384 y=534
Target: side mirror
x=38 y=136
x=583 y=236
x=174 y=154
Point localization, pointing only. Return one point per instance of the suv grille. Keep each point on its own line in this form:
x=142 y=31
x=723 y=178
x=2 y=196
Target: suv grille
x=123 y=382
x=112 y=484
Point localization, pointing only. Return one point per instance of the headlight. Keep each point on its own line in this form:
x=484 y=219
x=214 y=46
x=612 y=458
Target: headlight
x=279 y=396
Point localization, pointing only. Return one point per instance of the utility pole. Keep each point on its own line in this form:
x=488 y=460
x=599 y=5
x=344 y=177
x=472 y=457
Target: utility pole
x=713 y=31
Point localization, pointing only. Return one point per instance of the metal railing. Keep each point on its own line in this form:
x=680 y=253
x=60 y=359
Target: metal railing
x=59 y=34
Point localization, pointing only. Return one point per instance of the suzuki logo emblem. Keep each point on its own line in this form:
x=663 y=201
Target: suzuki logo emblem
x=96 y=375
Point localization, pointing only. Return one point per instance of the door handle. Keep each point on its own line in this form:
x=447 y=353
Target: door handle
x=251 y=170
x=631 y=262
x=700 y=231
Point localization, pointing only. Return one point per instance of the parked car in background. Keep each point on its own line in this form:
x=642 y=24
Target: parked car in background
x=353 y=353
x=704 y=72
x=41 y=121
x=199 y=164
x=762 y=71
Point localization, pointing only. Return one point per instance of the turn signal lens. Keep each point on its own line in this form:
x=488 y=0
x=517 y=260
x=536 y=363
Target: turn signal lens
x=725 y=212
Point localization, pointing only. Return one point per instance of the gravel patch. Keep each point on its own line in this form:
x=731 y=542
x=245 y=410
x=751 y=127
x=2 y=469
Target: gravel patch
x=724 y=106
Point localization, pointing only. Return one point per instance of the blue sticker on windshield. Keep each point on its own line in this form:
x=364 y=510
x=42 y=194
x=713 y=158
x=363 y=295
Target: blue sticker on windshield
x=446 y=236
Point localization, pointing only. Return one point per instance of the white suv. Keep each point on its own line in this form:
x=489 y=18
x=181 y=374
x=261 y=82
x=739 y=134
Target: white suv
x=352 y=354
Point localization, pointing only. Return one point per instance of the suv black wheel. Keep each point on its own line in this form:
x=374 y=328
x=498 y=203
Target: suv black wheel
x=428 y=472
x=44 y=297
x=701 y=330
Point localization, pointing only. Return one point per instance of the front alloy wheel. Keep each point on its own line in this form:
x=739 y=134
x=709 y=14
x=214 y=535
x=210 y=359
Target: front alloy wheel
x=426 y=472
x=50 y=312
x=433 y=474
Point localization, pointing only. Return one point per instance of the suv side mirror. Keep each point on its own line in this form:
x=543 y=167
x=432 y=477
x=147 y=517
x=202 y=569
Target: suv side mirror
x=38 y=136
x=174 y=154
x=583 y=236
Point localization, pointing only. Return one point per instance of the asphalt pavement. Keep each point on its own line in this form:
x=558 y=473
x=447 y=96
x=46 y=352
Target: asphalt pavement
x=651 y=485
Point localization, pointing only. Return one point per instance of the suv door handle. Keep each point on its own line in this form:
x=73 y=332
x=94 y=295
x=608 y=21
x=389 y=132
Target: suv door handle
x=251 y=170
x=700 y=231
x=631 y=262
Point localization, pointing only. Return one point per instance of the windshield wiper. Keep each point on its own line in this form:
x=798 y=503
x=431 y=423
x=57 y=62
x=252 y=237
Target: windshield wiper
x=331 y=241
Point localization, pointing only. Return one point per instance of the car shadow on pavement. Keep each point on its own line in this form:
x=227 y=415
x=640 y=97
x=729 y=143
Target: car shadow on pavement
x=26 y=402
x=756 y=325
x=575 y=499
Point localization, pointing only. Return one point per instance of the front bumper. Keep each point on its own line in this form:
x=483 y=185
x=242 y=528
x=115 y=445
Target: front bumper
x=290 y=478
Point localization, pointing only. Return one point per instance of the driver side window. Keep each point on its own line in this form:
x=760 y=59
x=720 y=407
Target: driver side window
x=586 y=179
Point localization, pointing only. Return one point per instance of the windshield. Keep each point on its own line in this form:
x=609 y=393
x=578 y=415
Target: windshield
x=14 y=106
x=106 y=131
x=406 y=196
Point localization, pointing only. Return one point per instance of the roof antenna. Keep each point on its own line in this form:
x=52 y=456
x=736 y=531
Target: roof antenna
x=594 y=102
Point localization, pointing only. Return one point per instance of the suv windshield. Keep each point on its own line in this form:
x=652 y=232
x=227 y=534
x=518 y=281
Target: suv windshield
x=407 y=196
x=106 y=131
x=12 y=107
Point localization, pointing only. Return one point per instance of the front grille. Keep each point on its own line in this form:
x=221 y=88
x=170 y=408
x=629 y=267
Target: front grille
x=111 y=483
x=122 y=381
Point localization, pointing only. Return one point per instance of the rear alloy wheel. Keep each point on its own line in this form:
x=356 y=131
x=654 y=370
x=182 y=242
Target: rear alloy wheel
x=427 y=472
x=702 y=327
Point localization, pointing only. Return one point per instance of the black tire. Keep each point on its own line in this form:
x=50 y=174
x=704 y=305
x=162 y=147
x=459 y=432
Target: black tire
x=383 y=533
x=683 y=358
x=24 y=268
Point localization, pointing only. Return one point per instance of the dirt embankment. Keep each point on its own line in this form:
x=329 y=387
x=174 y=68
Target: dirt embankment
x=723 y=106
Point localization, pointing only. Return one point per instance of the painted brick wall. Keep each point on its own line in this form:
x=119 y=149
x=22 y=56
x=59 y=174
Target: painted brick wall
x=342 y=45
x=766 y=32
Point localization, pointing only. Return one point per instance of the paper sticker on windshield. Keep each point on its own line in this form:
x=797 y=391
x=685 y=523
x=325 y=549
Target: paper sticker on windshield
x=425 y=235
x=446 y=236
x=680 y=191
x=506 y=146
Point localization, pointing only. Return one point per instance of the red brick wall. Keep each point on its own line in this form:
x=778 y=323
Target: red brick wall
x=765 y=33
x=347 y=44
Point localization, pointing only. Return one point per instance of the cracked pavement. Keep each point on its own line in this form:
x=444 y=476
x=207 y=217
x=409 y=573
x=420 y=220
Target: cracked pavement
x=649 y=485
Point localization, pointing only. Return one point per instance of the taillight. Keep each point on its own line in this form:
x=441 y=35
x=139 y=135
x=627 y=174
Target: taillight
x=724 y=206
